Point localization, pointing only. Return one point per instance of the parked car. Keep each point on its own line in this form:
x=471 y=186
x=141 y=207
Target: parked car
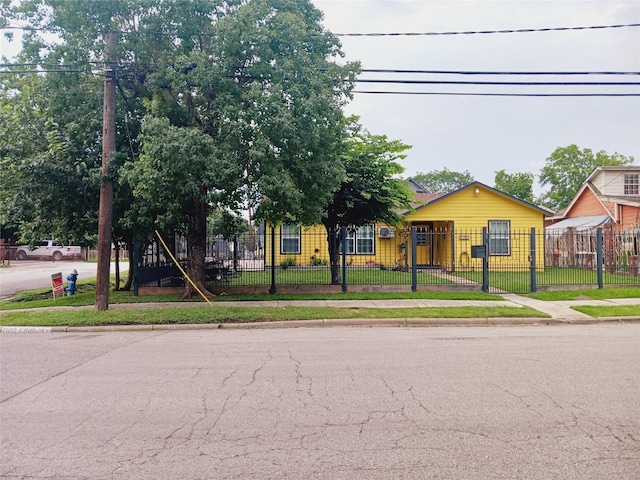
x=48 y=249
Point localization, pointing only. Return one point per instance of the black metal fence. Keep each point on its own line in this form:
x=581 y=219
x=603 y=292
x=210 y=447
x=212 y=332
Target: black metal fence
x=416 y=259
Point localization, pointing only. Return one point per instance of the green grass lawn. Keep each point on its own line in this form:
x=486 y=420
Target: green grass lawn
x=592 y=294
x=200 y=314
x=322 y=276
x=86 y=296
x=520 y=281
x=609 y=311
x=197 y=311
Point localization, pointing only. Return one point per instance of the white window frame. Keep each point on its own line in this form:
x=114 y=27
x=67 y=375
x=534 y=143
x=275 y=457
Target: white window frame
x=500 y=236
x=289 y=235
x=360 y=240
x=631 y=184
x=366 y=239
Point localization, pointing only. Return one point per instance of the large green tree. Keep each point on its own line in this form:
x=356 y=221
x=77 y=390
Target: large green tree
x=152 y=35
x=443 y=181
x=266 y=89
x=49 y=154
x=519 y=185
x=567 y=168
x=179 y=174
x=68 y=102
x=280 y=113
x=371 y=189
x=259 y=78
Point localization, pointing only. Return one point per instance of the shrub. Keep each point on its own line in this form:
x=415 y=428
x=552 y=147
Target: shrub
x=317 y=261
x=288 y=262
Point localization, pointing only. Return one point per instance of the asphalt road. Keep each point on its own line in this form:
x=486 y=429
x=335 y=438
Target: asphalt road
x=32 y=274
x=336 y=403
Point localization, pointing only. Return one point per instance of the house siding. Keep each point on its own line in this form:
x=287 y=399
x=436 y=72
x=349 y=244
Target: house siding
x=629 y=216
x=473 y=211
x=450 y=226
x=467 y=212
x=314 y=247
x=587 y=204
x=614 y=183
x=611 y=181
x=599 y=180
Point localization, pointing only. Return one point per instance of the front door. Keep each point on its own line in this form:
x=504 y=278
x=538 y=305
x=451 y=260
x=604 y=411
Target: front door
x=433 y=240
x=424 y=243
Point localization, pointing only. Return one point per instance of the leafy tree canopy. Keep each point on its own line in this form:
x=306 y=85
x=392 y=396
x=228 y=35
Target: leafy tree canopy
x=175 y=163
x=566 y=170
x=49 y=153
x=281 y=114
x=519 y=185
x=371 y=189
x=259 y=79
x=227 y=223
x=443 y=181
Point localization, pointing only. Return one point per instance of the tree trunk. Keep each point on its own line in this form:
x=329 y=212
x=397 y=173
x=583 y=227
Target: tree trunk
x=197 y=234
x=333 y=240
x=116 y=246
x=129 y=283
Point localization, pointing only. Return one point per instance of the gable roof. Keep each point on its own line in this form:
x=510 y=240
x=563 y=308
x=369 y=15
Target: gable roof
x=417 y=186
x=435 y=198
x=585 y=186
x=613 y=168
x=633 y=201
x=420 y=199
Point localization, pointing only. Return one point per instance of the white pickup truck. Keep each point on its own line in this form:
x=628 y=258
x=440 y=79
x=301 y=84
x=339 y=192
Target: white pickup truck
x=48 y=249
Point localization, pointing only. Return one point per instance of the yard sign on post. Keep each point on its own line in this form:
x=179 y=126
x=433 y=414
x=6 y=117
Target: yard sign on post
x=57 y=285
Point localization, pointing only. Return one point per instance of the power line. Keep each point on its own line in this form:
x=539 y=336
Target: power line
x=473 y=94
x=468 y=72
x=67 y=67
x=484 y=32
x=388 y=34
x=364 y=70
x=426 y=82
x=465 y=82
x=40 y=71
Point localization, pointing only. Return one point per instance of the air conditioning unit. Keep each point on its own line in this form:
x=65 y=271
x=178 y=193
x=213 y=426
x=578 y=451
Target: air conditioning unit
x=386 y=232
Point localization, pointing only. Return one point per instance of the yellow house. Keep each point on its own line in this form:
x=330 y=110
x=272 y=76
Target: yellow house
x=450 y=226
x=444 y=230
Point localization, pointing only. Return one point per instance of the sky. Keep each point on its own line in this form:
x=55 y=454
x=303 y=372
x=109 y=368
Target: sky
x=484 y=134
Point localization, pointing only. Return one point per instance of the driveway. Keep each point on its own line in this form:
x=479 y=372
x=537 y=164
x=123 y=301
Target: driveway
x=32 y=274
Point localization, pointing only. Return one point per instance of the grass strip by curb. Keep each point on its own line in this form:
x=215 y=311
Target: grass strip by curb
x=609 y=311
x=586 y=294
x=35 y=299
x=177 y=315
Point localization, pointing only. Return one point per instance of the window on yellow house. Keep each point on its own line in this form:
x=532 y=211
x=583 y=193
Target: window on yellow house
x=289 y=238
x=360 y=240
x=499 y=233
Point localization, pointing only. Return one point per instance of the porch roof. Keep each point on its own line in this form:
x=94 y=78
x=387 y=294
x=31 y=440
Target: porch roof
x=581 y=223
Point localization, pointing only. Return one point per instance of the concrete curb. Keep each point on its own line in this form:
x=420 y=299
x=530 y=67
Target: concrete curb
x=581 y=321
x=327 y=323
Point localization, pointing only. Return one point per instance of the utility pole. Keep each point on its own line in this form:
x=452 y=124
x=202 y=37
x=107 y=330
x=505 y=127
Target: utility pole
x=106 y=189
